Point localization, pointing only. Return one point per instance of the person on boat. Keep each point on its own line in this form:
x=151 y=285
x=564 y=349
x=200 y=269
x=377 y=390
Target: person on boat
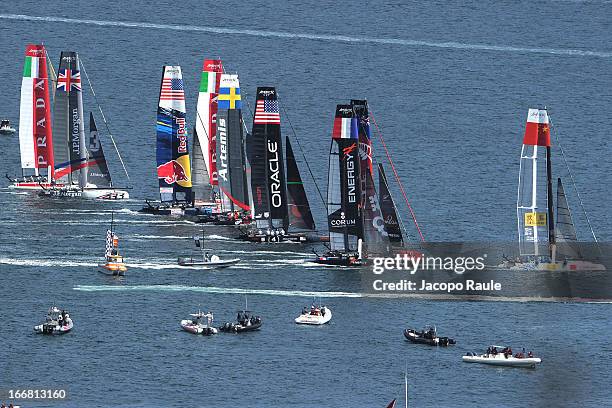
x=207 y=257
x=530 y=355
x=494 y=351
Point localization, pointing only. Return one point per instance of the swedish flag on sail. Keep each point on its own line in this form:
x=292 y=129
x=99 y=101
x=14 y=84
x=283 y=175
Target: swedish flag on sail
x=229 y=98
x=229 y=92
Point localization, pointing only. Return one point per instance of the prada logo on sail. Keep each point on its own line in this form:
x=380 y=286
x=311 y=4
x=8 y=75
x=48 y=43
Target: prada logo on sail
x=182 y=137
x=351 y=181
x=222 y=169
x=41 y=120
x=76 y=143
x=274 y=174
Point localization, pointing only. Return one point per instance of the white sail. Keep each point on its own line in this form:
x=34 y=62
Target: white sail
x=532 y=208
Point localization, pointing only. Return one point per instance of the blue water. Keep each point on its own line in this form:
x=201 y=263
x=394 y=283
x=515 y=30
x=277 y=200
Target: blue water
x=449 y=85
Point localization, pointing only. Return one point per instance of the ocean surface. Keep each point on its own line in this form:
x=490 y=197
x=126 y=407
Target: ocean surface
x=449 y=85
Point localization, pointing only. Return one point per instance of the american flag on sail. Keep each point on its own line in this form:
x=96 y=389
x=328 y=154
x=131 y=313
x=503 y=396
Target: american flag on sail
x=68 y=79
x=266 y=113
x=172 y=89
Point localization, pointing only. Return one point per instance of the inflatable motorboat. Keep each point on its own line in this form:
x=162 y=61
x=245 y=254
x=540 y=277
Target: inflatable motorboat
x=58 y=321
x=429 y=336
x=6 y=128
x=212 y=262
x=316 y=316
x=245 y=321
x=503 y=358
x=195 y=325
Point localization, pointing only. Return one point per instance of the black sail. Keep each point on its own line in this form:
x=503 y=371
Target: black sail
x=266 y=125
x=69 y=148
x=343 y=190
x=300 y=215
x=98 y=172
x=387 y=207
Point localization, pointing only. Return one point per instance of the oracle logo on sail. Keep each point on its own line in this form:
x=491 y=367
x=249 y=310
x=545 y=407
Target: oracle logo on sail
x=351 y=181
x=274 y=171
x=267 y=92
x=222 y=169
x=345 y=110
x=182 y=135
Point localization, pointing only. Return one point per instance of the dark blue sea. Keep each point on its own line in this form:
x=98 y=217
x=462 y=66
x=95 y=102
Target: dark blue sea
x=449 y=85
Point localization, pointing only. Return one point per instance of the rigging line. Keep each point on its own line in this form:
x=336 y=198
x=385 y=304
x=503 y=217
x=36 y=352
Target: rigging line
x=574 y=184
x=375 y=161
x=408 y=235
x=110 y=134
x=302 y=151
x=399 y=182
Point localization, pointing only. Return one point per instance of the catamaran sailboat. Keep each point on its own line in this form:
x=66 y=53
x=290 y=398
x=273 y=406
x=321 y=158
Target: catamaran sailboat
x=276 y=201
x=205 y=179
x=544 y=244
x=231 y=161
x=173 y=164
x=80 y=168
x=344 y=211
x=113 y=261
x=35 y=136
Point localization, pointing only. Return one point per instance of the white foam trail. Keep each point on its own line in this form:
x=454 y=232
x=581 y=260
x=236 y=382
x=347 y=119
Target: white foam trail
x=219 y=238
x=44 y=262
x=140 y=236
x=317 y=37
x=213 y=289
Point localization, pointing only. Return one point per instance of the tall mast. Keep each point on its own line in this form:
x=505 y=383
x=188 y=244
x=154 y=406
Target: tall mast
x=549 y=196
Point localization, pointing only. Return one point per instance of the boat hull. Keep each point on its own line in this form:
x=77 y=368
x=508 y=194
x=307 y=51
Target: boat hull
x=238 y=328
x=315 y=320
x=414 y=337
x=112 y=269
x=188 y=326
x=210 y=264
x=502 y=361
x=338 y=261
x=105 y=194
x=275 y=238
x=53 y=329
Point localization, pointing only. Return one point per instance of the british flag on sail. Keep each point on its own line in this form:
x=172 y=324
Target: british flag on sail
x=266 y=112
x=68 y=79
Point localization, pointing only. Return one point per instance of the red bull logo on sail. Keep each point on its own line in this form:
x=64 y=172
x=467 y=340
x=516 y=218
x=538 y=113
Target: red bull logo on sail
x=172 y=172
x=182 y=135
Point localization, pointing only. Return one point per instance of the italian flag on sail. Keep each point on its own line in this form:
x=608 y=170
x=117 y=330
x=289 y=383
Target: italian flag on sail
x=30 y=68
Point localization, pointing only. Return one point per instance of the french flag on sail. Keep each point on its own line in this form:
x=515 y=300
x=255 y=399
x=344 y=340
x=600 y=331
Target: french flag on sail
x=345 y=124
x=537 y=131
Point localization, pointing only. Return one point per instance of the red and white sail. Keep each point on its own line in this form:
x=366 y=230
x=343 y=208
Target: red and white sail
x=532 y=206
x=35 y=142
x=206 y=121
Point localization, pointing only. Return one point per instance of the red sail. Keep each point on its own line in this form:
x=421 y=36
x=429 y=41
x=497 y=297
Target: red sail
x=537 y=131
x=41 y=106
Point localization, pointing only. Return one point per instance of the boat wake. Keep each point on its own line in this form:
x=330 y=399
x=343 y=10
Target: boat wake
x=317 y=37
x=213 y=289
x=44 y=262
